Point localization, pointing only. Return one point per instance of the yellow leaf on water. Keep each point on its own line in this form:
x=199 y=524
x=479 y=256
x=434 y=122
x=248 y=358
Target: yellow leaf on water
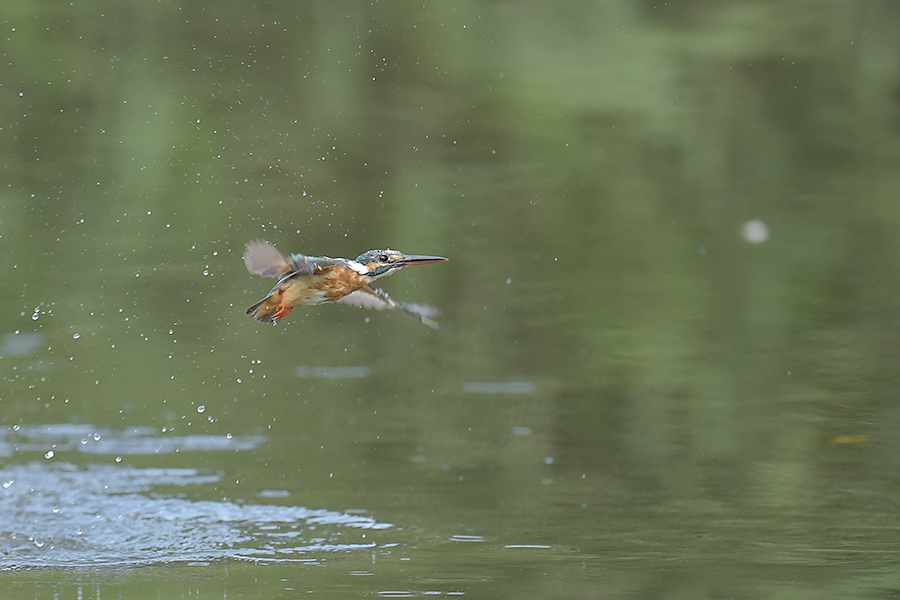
x=849 y=439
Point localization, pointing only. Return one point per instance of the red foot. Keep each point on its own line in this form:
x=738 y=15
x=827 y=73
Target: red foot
x=282 y=311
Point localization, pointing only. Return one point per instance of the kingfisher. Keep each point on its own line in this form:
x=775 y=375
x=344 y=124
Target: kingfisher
x=310 y=280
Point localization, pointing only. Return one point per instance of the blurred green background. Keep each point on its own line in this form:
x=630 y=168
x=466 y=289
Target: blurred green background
x=669 y=366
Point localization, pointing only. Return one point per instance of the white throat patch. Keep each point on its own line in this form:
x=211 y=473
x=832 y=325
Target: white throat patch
x=357 y=267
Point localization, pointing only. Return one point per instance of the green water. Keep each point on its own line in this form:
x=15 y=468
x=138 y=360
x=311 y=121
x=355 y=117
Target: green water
x=668 y=367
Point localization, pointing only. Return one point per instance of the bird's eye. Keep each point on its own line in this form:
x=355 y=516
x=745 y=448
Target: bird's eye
x=383 y=258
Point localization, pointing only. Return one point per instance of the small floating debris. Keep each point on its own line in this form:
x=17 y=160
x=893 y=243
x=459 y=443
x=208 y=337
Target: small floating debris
x=849 y=439
x=527 y=547
x=754 y=232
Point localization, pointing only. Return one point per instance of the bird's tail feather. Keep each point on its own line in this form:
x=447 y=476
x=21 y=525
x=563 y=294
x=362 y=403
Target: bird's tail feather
x=267 y=317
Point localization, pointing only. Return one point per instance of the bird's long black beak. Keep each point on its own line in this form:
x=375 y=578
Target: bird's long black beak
x=419 y=259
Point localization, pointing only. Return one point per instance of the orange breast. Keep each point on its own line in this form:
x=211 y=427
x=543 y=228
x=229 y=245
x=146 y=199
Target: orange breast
x=338 y=282
x=327 y=285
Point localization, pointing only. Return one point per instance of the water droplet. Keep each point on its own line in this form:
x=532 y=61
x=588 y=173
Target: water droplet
x=49 y=454
x=201 y=408
x=75 y=336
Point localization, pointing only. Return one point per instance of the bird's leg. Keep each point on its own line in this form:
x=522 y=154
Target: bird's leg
x=282 y=311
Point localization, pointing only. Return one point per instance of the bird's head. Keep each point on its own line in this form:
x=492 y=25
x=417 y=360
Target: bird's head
x=379 y=263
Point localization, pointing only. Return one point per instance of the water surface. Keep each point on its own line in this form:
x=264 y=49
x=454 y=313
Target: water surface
x=668 y=366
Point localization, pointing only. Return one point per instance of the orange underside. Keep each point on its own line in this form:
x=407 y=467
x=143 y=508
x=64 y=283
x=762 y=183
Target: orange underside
x=327 y=286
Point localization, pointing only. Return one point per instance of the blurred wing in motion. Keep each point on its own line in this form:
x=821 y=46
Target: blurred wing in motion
x=263 y=259
x=376 y=299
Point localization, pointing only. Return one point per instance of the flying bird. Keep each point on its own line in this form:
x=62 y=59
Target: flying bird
x=310 y=280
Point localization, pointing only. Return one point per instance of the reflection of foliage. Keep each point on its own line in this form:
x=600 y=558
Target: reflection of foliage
x=586 y=167
x=620 y=137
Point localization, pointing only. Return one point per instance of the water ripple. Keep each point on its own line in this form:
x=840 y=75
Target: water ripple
x=57 y=514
